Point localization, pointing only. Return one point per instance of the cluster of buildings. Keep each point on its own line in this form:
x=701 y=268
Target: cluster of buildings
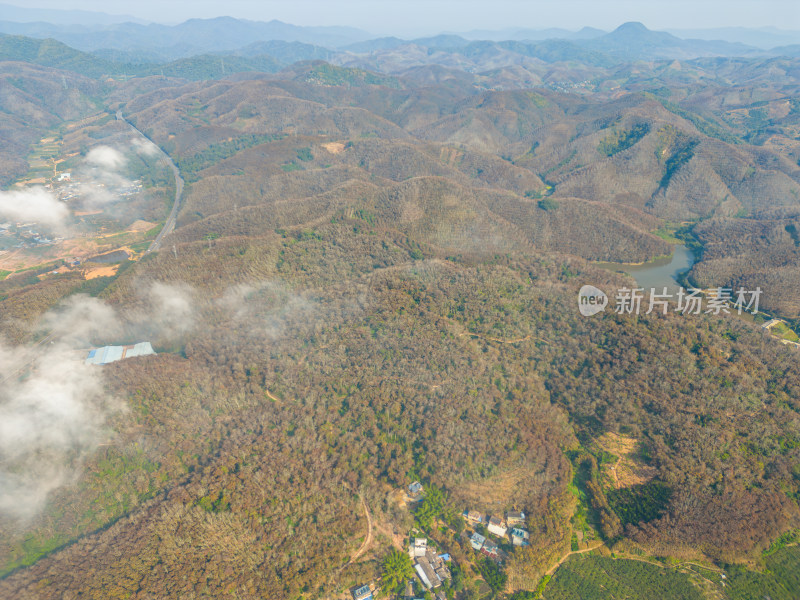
x=69 y=189
x=569 y=86
x=431 y=567
x=23 y=235
x=511 y=527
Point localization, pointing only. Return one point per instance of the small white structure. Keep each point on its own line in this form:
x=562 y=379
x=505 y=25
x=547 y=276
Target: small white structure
x=363 y=592
x=420 y=546
x=65 y=177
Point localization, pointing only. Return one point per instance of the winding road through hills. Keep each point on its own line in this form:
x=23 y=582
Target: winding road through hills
x=169 y=225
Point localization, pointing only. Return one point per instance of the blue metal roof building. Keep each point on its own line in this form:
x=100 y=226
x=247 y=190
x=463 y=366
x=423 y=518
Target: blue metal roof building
x=110 y=354
x=362 y=593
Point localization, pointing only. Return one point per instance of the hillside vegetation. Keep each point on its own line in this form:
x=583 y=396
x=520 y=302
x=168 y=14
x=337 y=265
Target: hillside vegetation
x=373 y=281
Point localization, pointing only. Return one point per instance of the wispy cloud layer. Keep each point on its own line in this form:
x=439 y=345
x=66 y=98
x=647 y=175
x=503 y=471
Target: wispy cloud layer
x=35 y=204
x=53 y=407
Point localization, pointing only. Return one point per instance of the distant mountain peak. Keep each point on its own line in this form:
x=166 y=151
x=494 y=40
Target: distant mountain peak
x=631 y=27
x=636 y=32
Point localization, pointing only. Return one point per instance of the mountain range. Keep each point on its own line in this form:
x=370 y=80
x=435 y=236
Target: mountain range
x=210 y=49
x=153 y=42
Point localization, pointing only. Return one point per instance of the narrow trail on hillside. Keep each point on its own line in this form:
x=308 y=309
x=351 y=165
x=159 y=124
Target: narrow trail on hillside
x=552 y=569
x=335 y=573
x=499 y=341
x=368 y=539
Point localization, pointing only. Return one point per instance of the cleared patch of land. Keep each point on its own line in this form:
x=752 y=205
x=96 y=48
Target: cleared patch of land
x=628 y=469
x=334 y=147
x=108 y=271
x=493 y=493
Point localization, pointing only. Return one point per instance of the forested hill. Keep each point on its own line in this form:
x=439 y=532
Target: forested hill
x=372 y=282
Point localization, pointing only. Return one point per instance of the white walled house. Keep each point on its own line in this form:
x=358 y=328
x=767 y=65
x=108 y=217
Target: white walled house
x=496 y=526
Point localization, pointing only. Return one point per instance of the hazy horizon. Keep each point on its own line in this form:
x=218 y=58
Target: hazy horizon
x=414 y=18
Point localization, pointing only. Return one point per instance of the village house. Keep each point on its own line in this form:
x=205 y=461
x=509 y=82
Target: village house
x=415 y=491
x=438 y=564
x=515 y=518
x=420 y=546
x=477 y=541
x=496 y=526
x=491 y=549
x=363 y=592
x=426 y=574
x=473 y=517
x=519 y=537
x=443 y=573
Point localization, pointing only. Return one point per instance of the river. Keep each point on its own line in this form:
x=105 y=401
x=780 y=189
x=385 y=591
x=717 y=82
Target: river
x=660 y=273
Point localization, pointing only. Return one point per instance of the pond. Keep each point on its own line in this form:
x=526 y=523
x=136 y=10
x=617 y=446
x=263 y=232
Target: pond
x=660 y=273
x=110 y=258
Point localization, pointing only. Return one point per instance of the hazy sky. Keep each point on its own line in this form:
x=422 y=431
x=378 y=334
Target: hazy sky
x=398 y=17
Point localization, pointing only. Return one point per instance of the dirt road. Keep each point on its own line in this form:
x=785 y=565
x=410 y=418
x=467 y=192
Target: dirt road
x=368 y=539
x=552 y=569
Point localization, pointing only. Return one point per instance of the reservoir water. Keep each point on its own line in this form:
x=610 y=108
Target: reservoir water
x=660 y=273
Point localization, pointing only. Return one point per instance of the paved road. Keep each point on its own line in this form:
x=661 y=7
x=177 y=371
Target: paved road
x=169 y=226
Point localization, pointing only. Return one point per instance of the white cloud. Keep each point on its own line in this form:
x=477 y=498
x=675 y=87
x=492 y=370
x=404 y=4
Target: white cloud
x=51 y=418
x=171 y=310
x=55 y=416
x=54 y=407
x=34 y=204
x=267 y=308
x=106 y=158
x=48 y=422
x=81 y=320
x=144 y=147
x=100 y=173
